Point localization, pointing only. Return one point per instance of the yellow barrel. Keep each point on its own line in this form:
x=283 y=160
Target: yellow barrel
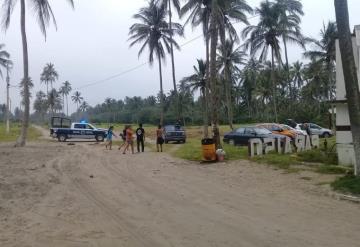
x=208 y=150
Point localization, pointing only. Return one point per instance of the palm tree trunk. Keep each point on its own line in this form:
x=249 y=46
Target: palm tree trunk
x=350 y=75
x=273 y=84
x=207 y=86
x=161 y=93
x=205 y=115
x=25 y=123
x=67 y=106
x=173 y=64
x=213 y=77
x=228 y=97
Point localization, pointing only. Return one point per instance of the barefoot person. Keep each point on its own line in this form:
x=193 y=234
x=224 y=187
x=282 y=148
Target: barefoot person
x=109 y=137
x=140 y=138
x=123 y=137
x=129 y=140
x=159 y=138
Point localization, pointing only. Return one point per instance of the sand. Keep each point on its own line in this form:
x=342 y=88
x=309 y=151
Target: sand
x=54 y=194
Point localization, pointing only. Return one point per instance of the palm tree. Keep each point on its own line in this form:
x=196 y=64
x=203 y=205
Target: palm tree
x=5 y=61
x=167 y=5
x=155 y=34
x=197 y=81
x=229 y=57
x=49 y=76
x=291 y=12
x=77 y=99
x=84 y=106
x=350 y=76
x=53 y=100
x=266 y=35
x=248 y=82
x=44 y=14
x=222 y=14
x=199 y=14
x=324 y=52
x=66 y=89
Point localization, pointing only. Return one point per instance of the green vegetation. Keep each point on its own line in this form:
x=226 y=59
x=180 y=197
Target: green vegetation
x=347 y=184
x=15 y=128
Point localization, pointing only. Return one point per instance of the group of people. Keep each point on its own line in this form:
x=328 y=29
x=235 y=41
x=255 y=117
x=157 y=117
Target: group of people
x=127 y=136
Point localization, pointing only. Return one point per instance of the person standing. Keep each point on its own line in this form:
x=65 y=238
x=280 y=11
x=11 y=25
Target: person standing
x=159 y=138
x=140 y=138
x=129 y=140
x=109 y=137
x=123 y=137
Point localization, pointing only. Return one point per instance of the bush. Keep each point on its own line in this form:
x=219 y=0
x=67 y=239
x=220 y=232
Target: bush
x=347 y=184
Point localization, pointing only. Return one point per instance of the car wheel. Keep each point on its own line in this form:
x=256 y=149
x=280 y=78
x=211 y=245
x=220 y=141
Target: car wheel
x=326 y=135
x=99 y=138
x=184 y=141
x=62 y=138
x=232 y=142
x=166 y=142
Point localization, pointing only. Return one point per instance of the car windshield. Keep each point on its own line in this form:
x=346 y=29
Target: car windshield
x=174 y=128
x=262 y=131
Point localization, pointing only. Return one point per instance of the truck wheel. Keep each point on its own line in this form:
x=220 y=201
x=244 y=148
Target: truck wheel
x=99 y=138
x=62 y=138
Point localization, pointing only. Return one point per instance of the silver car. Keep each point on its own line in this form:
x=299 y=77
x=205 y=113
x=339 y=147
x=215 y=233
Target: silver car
x=317 y=130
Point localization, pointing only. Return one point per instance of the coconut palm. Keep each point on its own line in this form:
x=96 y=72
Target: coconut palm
x=65 y=91
x=197 y=81
x=229 y=58
x=155 y=34
x=324 y=52
x=53 y=100
x=350 y=76
x=291 y=12
x=84 y=106
x=167 y=5
x=77 y=99
x=222 y=14
x=49 y=76
x=44 y=15
x=199 y=12
x=266 y=35
x=5 y=61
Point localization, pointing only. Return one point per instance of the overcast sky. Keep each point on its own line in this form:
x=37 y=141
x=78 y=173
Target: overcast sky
x=91 y=45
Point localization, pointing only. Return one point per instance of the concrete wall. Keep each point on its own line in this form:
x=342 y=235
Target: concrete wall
x=343 y=137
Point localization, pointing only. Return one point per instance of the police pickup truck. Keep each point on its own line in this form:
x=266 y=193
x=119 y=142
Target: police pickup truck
x=63 y=129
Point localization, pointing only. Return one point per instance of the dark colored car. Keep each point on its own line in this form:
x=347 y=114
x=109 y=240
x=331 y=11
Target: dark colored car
x=242 y=136
x=174 y=133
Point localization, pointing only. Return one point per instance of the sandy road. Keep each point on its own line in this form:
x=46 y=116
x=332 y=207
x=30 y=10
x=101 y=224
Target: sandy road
x=59 y=195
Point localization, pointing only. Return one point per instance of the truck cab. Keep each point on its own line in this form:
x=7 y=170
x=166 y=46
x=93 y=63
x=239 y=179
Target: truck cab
x=63 y=129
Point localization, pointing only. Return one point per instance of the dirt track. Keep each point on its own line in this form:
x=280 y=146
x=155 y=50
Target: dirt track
x=58 y=195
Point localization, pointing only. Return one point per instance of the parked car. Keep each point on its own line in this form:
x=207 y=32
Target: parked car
x=297 y=131
x=322 y=132
x=278 y=129
x=174 y=133
x=242 y=136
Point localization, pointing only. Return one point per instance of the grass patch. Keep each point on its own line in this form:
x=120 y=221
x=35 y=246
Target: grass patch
x=318 y=156
x=191 y=150
x=330 y=169
x=347 y=184
x=33 y=134
x=280 y=161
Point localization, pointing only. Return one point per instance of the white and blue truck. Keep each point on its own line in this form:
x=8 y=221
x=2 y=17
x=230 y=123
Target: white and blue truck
x=63 y=129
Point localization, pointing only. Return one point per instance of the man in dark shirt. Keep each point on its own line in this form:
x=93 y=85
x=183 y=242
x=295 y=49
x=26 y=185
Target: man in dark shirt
x=140 y=138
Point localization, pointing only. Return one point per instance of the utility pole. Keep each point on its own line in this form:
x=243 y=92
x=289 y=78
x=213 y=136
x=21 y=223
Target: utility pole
x=7 y=100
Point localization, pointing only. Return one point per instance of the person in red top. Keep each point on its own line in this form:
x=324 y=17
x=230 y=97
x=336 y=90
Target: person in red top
x=129 y=140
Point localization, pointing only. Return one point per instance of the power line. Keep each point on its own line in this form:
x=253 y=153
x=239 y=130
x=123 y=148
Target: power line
x=143 y=64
